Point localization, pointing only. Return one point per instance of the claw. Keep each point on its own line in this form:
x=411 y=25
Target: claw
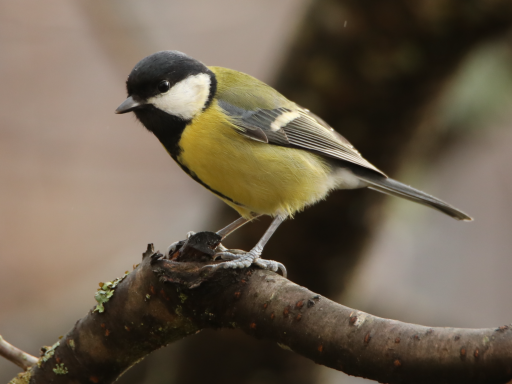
x=227 y=254
x=271 y=265
x=220 y=248
x=236 y=258
x=231 y=254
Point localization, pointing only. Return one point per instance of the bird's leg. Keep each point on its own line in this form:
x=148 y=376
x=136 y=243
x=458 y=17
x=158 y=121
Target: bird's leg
x=240 y=259
x=224 y=232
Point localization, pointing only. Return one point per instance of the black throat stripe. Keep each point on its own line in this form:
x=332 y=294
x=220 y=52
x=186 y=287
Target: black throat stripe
x=194 y=176
x=168 y=129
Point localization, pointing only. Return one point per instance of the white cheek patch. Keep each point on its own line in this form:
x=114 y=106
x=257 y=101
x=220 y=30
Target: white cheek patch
x=186 y=98
x=284 y=119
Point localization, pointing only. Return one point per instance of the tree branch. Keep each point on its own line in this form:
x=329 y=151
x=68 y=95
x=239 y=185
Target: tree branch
x=162 y=301
x=15 y=355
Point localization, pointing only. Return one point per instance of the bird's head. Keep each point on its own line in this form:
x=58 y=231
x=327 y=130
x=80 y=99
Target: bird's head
x=169 y=82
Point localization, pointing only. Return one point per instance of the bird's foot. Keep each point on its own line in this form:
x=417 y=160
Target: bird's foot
x=177 y=245
x=236 y=258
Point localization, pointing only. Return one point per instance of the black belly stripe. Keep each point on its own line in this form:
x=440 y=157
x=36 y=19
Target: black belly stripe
x=168 y=129
x=194 y=176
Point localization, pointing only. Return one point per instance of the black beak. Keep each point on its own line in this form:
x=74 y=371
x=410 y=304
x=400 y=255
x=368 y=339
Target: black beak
x=129 y=105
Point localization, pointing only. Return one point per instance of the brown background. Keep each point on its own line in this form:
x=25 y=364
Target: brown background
x=82 y=190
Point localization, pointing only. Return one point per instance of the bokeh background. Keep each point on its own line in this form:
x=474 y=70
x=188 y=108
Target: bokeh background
x=423 y=89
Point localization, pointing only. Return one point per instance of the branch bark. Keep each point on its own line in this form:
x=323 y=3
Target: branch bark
x=163 y=301
x=15 y=355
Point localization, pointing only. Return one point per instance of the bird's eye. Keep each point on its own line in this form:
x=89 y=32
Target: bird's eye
x=164 y=86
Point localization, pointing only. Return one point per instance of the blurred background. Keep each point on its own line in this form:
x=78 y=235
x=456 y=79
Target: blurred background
x=423 y=89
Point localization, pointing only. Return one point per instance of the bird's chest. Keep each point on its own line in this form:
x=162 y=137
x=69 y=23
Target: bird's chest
x=265 y=178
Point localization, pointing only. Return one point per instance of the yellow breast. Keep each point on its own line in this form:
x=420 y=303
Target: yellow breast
x=261 y=178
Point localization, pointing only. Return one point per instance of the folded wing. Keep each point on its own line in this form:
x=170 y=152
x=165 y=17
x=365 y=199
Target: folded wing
x=297 y=128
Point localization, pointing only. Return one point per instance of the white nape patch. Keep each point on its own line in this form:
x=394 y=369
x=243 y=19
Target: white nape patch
x=186 y=98
x=283 y=120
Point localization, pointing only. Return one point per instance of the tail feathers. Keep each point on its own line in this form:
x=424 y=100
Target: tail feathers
x=392 y=187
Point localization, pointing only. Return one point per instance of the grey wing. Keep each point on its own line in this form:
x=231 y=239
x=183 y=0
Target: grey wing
x=296 y=128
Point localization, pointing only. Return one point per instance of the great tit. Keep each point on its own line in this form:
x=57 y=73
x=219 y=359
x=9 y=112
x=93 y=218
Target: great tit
x=259 y=152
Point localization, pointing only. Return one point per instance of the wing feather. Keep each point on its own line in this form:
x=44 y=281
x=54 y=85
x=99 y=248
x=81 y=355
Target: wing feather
x=300 y=129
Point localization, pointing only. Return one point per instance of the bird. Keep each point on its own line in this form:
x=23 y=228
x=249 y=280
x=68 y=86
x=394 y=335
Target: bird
x=259 y=152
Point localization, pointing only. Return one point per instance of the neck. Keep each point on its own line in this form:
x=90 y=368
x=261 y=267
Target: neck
x=167 y=128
